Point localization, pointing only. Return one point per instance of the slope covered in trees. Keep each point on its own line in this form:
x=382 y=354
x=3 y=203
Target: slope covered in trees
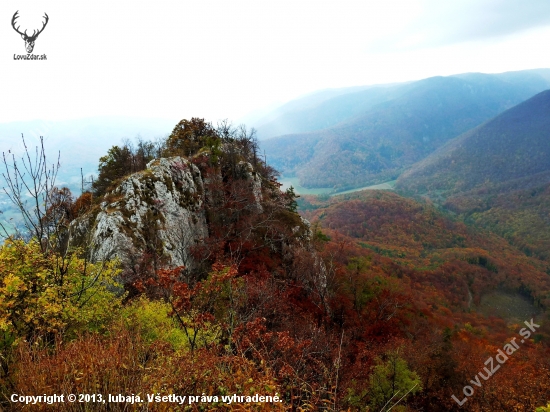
x=520 y=216
x=407 y=124
x=418 y=236
x=496 y=175
x=326 y=108
x=513 y=149
x=367 y=306
x=448 y=266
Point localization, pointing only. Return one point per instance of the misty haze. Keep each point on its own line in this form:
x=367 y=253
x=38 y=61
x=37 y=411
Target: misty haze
x=275 y=206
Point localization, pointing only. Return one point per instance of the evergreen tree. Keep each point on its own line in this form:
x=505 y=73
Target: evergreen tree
x=291 y=197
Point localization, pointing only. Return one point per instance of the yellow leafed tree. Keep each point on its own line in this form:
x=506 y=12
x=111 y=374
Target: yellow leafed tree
x=39 y=297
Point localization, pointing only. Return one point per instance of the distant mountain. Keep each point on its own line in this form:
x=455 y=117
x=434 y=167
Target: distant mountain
x=509 y=152
x=397 y=126
x=496 y=176
x=323 y=109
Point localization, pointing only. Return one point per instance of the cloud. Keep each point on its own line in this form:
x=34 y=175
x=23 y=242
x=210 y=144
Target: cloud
x=442 y=23
x=221 y=59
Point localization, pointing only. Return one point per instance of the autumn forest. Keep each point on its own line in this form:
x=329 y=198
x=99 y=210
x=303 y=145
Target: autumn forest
x=183 y=268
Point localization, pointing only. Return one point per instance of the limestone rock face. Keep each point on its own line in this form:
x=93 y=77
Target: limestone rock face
x=160 y=208
x=255 y=183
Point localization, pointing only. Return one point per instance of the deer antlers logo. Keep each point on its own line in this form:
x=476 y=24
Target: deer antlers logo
x=29 y=40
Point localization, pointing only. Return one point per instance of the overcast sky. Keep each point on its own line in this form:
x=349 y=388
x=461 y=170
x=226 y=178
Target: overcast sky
x=223 y=59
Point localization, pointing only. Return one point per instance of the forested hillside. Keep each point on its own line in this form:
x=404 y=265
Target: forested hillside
x=211 y=284
x=407 y=124
x=514 y=146
x=496 y=176
x=418 y=236
x=464 y=275
x=520 y=216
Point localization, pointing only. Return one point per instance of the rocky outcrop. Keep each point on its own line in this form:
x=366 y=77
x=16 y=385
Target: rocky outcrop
x=255 y=183
x=165 y=210
x=159 y=209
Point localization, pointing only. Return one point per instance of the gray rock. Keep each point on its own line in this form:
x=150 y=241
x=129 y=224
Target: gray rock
x=160 y=207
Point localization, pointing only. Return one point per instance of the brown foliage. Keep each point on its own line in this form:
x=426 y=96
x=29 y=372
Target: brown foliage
x=123 y=364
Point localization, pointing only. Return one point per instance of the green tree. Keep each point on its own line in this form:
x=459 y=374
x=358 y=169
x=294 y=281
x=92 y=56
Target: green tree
x=124 y=160
x=113 y=166
x=391 y=381
x=291 y=196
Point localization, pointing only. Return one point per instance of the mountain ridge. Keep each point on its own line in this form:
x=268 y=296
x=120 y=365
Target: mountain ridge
x=381 y=143
x=513 y=145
